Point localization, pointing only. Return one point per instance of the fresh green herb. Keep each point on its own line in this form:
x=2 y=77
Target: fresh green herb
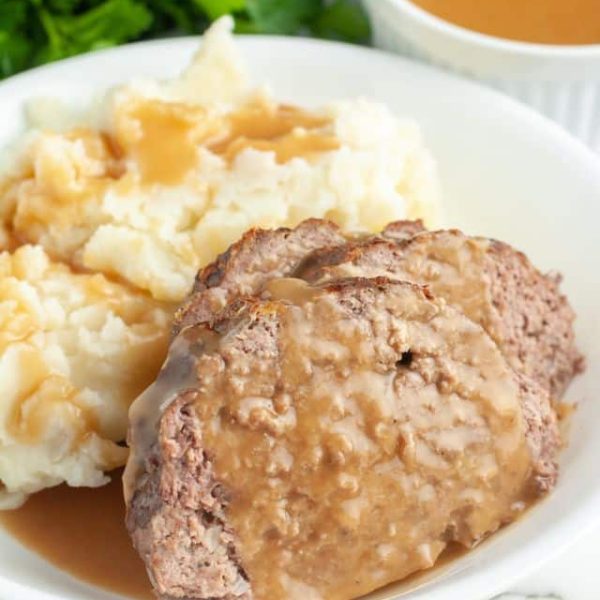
x=108 y=24
x=281 y=16
x=342 y=20
x=15 y=48
x=217 y=8
x=34 y=32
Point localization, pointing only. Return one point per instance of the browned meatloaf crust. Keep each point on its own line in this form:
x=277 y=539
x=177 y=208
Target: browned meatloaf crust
x=243 y=269
x=177 y=517
x=262 y=254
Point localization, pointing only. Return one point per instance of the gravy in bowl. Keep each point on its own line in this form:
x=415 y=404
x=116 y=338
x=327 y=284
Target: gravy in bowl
x=573 y=22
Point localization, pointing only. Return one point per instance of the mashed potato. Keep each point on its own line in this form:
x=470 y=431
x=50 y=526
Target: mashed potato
x=146 y=185
x=182 y=168
x=75 y=349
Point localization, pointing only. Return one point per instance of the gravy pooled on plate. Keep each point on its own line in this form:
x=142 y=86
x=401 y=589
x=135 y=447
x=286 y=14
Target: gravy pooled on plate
x=81 y=531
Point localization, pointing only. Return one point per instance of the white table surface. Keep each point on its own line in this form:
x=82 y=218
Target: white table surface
x=573 y=575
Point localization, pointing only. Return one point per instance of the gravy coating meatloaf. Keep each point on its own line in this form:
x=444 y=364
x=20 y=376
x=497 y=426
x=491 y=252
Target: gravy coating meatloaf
x=328 y=440
x=494 y=284
x=320 y=440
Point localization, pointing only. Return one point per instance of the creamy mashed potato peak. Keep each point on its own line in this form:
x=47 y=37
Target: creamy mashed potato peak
x=75 y=349
x=145 y=185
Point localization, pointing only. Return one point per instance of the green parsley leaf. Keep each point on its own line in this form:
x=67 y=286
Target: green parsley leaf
x=39 y=31
x=15 y=48
x=217 y=8
x=175 y=17
x=64 y=7
x=15 y=54
x=108 y=24
x=281 y=16
x=343 y=20
x=13 y=15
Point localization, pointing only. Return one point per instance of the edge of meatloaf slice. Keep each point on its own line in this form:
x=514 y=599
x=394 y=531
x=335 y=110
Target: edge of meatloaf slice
x=177 y=519
x=535 y=317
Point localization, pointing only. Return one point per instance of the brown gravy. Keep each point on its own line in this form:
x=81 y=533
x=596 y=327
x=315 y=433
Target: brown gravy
x=451 y=553
x=82 y=531
x=287 y=131
x=164 y=137
x=165 y=141
x=540 y=21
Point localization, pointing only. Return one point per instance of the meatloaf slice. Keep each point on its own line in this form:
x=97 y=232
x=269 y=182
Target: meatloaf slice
x=262 y=254
x=495 y=285
x=323 y=441
x=259 y=255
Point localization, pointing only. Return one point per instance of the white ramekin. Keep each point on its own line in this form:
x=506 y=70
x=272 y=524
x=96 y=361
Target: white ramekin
x=562 y=82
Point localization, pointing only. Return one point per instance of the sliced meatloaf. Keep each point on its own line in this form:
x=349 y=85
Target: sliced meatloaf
x=322 y=441
x=495 y=285
x=258 y=256
x=522 y=309
x=262 y=254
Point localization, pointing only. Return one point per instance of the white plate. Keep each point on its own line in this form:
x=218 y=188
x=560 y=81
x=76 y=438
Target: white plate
x=506 y=172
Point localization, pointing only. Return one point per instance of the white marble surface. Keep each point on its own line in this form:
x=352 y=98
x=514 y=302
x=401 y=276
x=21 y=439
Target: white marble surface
x=573 y=575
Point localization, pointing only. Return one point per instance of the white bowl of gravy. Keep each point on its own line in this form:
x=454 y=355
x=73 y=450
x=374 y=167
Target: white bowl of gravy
x=545 y=53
